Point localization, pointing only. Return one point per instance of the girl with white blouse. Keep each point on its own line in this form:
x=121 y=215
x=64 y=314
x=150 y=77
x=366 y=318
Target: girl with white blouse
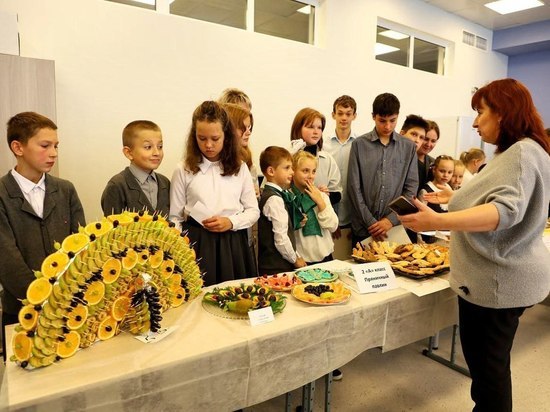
x=212 y=197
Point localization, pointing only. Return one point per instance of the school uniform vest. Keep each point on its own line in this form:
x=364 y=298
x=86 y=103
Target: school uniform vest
x=269 y=259
x=433 y=206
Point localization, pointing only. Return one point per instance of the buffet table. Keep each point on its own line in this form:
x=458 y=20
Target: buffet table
x=213 y=364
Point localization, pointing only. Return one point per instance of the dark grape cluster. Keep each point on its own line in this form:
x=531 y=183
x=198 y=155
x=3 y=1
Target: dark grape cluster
x=152 y=298
x=317 y=289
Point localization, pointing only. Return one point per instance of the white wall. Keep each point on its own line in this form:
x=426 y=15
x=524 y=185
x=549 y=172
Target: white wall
x=117 y=63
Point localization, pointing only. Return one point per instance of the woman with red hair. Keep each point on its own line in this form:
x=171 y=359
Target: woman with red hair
x=499 y=264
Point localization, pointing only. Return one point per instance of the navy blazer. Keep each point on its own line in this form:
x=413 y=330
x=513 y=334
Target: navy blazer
x=123 y=192
x=26 y=239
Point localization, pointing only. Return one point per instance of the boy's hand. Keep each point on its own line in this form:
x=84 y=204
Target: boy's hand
x=300 y=263
x=217 y=224
x=315 y=195
x=303 y=221
x=379 y=229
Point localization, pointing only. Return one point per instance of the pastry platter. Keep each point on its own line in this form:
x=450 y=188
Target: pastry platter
x=412 y=260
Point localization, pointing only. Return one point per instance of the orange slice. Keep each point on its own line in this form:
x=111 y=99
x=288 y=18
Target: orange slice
x=74 y=243
x=120 y=308
x=123 y=219
x=39 y=290
x=70 y=344
x=95 y=292
x=143 y=256
x=22 y=346
x=178 y=298
x=130 y=260
x=155 y=260
x=54 y=264
x=77 y=317
x=174 y=281
x=98 y=228
x=111 y=270
x=28 y=317
x=107 y=328
x=167 y=268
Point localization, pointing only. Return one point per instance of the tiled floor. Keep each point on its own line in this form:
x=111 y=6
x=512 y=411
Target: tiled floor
x=405 y=380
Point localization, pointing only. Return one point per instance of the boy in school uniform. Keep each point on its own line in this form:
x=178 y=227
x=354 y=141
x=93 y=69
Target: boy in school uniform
x=344 y=112
x=36 y=209
x=139 y=187
x=382 y=167
x=276 y=243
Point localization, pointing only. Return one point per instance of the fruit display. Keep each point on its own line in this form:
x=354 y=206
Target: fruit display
x=120 y=273
x=244 y=298
x=316 y=275
x=415 y=260
x=322 y=293
x=281 y=282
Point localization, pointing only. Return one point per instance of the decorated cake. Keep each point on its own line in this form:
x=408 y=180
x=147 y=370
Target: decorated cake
x=120 y=273
x=316 y=275
x=281 y=282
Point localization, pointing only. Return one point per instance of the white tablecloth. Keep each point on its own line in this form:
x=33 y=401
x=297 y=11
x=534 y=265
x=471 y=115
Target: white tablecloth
x=215 y=364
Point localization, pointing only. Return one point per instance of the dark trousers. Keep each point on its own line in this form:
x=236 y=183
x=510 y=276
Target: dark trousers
x=7 y=319
x=487 y=336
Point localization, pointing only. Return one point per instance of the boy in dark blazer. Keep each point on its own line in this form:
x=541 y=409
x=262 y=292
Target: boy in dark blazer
x=36 y=209
x=139 y=187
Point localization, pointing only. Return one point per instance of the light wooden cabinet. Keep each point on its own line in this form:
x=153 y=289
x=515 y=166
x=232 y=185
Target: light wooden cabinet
x=25 y=85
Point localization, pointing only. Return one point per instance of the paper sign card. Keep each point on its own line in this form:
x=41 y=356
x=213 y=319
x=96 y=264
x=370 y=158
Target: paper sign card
x=374 y=277
x=151 y=337
x=200 y=212
x=261 y=316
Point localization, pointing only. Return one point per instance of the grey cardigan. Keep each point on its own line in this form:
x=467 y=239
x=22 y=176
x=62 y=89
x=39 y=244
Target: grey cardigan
x=123 y=192
x=26 y=239
x=510 y=266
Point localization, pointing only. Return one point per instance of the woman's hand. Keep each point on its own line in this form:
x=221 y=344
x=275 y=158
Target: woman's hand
x=424 y=219
x=324 y=189
x=217 y=224
x=439 y=198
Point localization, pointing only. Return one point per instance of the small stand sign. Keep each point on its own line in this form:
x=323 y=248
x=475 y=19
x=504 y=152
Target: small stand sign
x=374 y=277
x=261 y=316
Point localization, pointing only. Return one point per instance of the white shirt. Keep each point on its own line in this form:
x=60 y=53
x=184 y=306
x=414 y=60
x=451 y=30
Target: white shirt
x=34 y=193
x=340 y=152
x=467 y=177
x=229 y=196
x=274 y=210
x=328 y=173
x=316 y=248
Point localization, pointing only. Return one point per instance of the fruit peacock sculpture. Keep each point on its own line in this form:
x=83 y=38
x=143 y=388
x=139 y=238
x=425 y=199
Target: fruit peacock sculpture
x=120 y=273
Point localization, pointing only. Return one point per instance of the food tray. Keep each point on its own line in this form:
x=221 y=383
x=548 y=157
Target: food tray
x=344 y=299
x=419 y=275
x=217 y=311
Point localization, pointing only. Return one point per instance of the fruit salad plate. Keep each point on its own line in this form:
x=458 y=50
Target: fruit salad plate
x=234 y=302
x=322 y=293
x=316 y=275
x=282 y=282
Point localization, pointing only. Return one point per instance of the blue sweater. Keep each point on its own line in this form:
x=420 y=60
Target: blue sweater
x=510 y=266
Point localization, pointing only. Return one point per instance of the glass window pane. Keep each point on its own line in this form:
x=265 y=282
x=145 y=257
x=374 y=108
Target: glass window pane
x=428 y=57
x=227 y=12
x=285 y=18
x=146 y=4
x=392 y=46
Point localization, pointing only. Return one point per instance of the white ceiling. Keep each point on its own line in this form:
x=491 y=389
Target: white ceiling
x=475 y=11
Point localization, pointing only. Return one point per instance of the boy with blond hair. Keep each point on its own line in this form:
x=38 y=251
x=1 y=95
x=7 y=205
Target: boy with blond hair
x=276 y=246
x=36 y=209
x=139 y=187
